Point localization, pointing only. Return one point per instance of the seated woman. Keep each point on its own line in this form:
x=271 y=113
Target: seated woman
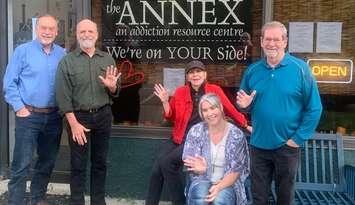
x=216 y=155
x=182 y=110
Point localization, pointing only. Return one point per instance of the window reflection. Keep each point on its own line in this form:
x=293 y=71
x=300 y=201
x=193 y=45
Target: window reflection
x=25 y=12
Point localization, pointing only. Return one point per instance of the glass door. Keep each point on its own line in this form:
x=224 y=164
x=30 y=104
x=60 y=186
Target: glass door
x=22 y=16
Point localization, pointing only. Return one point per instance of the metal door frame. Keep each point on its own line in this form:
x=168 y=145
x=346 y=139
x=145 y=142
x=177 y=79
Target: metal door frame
x=7 y=117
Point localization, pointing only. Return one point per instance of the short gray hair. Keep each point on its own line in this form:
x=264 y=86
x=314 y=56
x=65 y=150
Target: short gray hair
x=274 y=24
x=212 y=99
x=46 y=15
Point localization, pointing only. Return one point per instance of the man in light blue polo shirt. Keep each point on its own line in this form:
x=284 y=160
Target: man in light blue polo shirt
x=285 y=107
x=29 y=87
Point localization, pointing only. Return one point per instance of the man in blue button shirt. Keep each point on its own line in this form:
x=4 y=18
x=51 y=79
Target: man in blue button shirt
x=285 y=107
x=29 y=85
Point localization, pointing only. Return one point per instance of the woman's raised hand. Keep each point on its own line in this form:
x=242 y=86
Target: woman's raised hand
x=196 y=164
x=161 y=92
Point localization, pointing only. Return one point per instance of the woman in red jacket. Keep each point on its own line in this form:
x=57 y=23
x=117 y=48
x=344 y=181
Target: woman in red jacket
x=182 y=110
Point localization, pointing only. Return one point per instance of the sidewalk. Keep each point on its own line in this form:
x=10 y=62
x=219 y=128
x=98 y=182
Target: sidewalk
x=61 y=192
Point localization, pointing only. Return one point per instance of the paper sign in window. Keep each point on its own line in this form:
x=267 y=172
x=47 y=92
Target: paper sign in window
x=329 y=37
x=173 y=78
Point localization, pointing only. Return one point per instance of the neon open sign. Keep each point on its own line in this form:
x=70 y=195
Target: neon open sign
x=332 y=70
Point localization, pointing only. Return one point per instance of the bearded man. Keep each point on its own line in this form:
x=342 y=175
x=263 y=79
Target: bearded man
x=87 y=79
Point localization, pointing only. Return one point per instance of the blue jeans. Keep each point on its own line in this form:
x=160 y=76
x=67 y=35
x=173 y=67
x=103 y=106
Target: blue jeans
x=99 y=124
x=41 y=131
x=199 y=190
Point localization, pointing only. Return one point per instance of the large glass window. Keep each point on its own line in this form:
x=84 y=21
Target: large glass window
x=25 y=12
x=331 y=20
x=154 y=40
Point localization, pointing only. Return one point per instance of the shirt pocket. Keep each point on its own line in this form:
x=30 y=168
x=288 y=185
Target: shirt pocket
x=77 y=77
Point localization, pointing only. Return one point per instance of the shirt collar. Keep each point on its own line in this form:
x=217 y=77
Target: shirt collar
x=200 y=89
x=284 y=62
x=78 y=51
x=40 y=46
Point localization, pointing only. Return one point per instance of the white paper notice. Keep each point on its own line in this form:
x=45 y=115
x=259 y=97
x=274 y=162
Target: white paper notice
x=34 y=21
x=329 y=37
x=173 y=78
x=300 y=37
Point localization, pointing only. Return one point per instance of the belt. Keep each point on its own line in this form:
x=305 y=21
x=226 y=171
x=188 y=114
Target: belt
x=41 y=110
x=92 y=110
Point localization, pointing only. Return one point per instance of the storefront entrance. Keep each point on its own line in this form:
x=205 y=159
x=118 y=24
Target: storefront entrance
x=21 y=17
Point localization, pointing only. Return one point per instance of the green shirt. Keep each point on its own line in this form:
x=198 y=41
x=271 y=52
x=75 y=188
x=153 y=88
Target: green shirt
x=78 y=86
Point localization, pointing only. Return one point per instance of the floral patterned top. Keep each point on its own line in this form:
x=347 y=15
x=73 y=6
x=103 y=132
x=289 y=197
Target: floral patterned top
x=236 y=155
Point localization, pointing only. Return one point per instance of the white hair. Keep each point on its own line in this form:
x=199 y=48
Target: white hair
x=274 y=24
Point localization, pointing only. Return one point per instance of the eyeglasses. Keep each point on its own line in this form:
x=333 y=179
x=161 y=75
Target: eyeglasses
x=275 y=40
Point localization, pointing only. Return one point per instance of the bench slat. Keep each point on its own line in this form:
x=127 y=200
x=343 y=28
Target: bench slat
x=325 y=197
x=323 y=161
x=314 y=151
x=339 y=196
x=308 y=197
x=349 y=199
x=306 y=160
x=299 y=197
x=315 y=196
x=332 y=196
x=330 y=151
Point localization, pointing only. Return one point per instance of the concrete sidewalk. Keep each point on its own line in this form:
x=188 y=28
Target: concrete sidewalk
x=63 y=189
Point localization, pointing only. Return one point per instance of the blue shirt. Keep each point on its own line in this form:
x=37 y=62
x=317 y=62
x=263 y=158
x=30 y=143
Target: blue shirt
x=30 y=76
x=286 y=105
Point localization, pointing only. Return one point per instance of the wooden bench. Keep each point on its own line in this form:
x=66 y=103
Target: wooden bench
x=349 y=172
x=320 y=177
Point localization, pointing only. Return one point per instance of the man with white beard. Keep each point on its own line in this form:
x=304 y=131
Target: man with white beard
x=285 y=108
x=86 y=80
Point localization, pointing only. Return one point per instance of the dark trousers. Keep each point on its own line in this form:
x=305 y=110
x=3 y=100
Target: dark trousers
x=99 y=124
x=280 y=164
x=166 y=169
x=41 y=131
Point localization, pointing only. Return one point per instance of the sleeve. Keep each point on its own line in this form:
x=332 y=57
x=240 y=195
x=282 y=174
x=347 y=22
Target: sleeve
x=192 y=144
x=11 y=80
x=237 y=154
x=63 y=89
x=312 y=108
x=230 y=110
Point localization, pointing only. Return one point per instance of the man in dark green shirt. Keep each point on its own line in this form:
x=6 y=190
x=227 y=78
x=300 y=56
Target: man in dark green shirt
x=86 y=80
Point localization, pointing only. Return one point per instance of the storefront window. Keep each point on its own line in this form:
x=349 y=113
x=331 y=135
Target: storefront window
x=153 y=41
x=323 y=31
x=25 y=13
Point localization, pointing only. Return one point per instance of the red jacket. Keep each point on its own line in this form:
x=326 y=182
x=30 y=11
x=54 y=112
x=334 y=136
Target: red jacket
x=181 y=109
